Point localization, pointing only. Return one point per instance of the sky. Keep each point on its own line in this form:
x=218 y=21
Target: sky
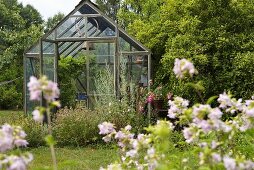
x=49 y=8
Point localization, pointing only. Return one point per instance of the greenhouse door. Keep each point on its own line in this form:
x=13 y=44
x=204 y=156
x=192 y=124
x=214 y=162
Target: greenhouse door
x=99 y=73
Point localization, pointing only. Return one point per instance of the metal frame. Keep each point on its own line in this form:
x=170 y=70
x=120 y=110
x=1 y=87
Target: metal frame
x=59 y=41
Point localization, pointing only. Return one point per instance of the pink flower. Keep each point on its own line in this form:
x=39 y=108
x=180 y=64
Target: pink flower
x=150 y=98
x=51 y=91
x=34 y=87
x=37 y=86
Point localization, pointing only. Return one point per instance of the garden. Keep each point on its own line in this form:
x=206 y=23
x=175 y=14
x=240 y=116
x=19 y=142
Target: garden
x=94 y=97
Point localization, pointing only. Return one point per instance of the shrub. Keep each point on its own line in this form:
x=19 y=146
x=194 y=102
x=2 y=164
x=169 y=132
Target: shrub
x=35 y=132
x=79 y=127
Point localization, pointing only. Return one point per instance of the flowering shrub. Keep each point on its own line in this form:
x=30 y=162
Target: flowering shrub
x=13 y=137
x=212 y=129
x=146 y=151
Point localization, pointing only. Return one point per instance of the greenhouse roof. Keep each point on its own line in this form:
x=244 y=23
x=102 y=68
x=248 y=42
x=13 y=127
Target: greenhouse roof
x=86 y=23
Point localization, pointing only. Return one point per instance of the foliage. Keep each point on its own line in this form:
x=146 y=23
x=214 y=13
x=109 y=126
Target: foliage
x=69 y=69
x=109 y=7
x=20 y=26
x=210 y=33
x=53 y=21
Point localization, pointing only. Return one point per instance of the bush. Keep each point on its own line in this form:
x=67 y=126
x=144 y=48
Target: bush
x=79 y=127
x=35 y=132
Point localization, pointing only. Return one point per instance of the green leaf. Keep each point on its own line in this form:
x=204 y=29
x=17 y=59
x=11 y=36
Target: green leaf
x=197 y=86
x=211 y=99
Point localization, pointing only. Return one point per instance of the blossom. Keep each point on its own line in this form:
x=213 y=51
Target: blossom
x=51 y=91
x=106 y=128
x=37 y=116
x=150 y=98
x=177 y=107
x=216 y=157
x=38 y=86
x=16 y=163
x=205 y=126
x=224 y=100
x=11 y=137
x=183 y=67
x=188 y=134
x=128 y=127
x=6 y=140
x=20 y=142
x=215 y=114
x=120 y=135
x=107 y=138
x=132 y=153
x=229 y=163
x=34 y=87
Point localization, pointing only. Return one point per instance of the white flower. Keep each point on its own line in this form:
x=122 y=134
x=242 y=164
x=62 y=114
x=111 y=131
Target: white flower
x=229 y=163
x=106 y=128
x=128 y=127
x=20 y=142
x=120 y=135
x=224 y=100
x=188 y=135
x=151 y=151
x=183 y=67
x=6 y=141
x=16 y=163
x=215 y=114
x=132 y=153
x=216 y=157
x=177 y=107
x=51 y=91
x=205 y=126
x=107 y=138
x=37 y=116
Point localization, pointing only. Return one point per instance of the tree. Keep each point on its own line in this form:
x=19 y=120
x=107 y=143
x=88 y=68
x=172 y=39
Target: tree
x=20 y=26
x=53 y=21
x=109 y=7
x=213 y=34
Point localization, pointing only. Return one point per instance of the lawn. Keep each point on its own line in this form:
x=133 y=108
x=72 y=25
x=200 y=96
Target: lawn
x=73 y=158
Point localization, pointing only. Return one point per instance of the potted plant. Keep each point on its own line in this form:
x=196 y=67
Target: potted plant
x=157 y=97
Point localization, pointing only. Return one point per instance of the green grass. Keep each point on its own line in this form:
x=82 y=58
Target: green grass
x=73 y=158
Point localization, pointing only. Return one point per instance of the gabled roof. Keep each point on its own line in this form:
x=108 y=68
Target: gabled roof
x=88 y=7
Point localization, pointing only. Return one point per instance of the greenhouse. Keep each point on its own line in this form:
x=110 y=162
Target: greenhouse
x=90 y=57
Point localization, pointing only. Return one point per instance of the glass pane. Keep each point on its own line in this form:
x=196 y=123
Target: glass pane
x=48 y=60
x=101 y=70
x=135 y=69
x=35 y=49
x=32 y=69
x=86 y=9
